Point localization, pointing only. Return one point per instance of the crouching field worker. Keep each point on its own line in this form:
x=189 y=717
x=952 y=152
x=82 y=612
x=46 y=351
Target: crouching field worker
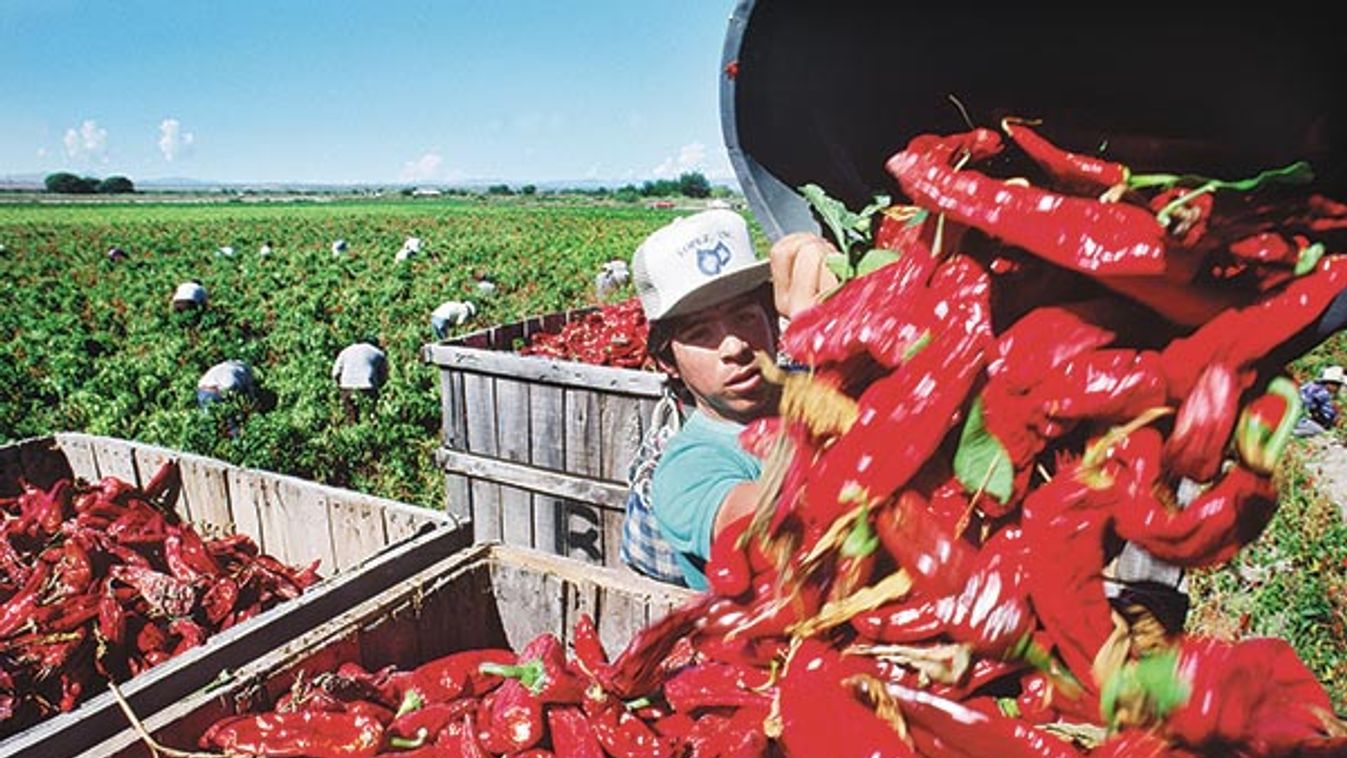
x=360 y=371
x=710 y=304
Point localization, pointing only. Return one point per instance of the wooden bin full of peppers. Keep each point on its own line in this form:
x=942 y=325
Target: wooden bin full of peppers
x=103 y=581
x=1015 y=388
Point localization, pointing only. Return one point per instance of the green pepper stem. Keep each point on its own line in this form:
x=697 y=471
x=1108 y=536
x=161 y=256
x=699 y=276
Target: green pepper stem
x=529 y=673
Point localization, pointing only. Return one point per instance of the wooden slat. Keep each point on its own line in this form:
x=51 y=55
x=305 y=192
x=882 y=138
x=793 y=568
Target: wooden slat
x=512 y=444
x=297 y=523
x=205 y=494
x=547 y=450
x=116 y=458
x=357 y=531
x=534 y=603
x=483 y=469
x=622 y=616
x=584 y=525
x=457 y=493
x=79 y=453
x=246 y=497
x=582 y=597
x=547 y=370
x=620 y=424
x=480 y=400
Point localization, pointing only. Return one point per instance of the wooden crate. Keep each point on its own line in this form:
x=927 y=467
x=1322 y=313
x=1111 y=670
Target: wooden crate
x=536 y=450
x=487 y=595
x=366 y=544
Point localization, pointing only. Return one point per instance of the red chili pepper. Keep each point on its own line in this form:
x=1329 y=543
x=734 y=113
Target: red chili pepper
x=907 y=413
x=1243 y=337
x=511 y=719
x=319 y=734
x=736 y=735
x=990 y=611
x=417 y=727
x=1211 y=529
x=166 y=595
x=166 y=479
x=715 y=685
x=636 y=670
x=938 y=561
x=460 y=740
x=821 y=714
x=943 y=727
x=621 y=733
x=1265 y=426
x=1090 y=236
x=1065 y=582
x=542 y=669
x=19 y=607
x=572 y=734
x=186 y=554
x=1254 y=697
x=74 y=571
x=590 y=656
x=1206 y=418
x=456 y=675
x=883 y=313
x=1078 y=173
x=727 y=570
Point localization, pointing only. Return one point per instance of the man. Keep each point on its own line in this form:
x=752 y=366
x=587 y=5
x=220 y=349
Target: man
x=223 y=380
x=189 y=295
x=1319 y=398
x=361 y=369
x=709 y=303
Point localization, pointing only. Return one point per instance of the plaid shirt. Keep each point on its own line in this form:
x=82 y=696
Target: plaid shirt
x=643 y=547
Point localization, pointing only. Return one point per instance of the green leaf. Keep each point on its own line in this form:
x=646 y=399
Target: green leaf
x=835 y=215
x=982 y=458
x=837 y=264
x=874 y=259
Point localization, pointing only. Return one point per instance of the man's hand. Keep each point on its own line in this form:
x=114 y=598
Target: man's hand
x=799 y=275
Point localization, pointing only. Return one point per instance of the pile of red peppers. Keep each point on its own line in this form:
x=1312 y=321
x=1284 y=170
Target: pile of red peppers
x=611 y=335
x=947 y=487
x=101 y=581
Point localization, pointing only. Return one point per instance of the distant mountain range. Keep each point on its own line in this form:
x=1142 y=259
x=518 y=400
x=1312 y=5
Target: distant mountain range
x=35 y=182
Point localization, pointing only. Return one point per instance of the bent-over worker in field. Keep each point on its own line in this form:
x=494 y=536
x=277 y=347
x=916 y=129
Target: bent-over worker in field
x=360 y=370
x=224 y=380
x=1320 y=401
x=188 y=296
x=710 y=304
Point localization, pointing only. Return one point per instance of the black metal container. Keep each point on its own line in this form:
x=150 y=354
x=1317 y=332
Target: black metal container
x=824 y=92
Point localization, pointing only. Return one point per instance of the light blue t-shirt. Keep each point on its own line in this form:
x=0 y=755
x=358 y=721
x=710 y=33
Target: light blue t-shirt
x=702 y=463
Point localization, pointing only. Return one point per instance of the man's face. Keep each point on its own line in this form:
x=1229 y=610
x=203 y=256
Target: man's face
x=714 y=356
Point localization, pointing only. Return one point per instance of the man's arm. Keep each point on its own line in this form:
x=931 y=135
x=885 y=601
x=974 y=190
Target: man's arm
x=739 y=502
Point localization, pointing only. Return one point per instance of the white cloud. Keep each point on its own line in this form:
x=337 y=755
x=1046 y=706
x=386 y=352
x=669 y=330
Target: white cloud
x=173 y=141
x=425 y=167
x=42 y=152
x=89 y=142
x=690 y=158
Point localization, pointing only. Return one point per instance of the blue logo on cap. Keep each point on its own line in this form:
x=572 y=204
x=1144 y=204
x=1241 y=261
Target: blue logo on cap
x=711 y=261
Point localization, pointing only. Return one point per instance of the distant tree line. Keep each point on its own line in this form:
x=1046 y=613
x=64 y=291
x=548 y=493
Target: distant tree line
x=67 y=183
x=690 y=184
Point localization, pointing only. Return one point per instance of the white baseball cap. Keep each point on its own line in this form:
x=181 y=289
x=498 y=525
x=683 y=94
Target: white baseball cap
x=696 y=262
x=1333 y=374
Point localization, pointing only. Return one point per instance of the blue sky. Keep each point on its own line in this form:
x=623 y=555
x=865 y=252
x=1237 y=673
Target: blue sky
x=307 y=91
